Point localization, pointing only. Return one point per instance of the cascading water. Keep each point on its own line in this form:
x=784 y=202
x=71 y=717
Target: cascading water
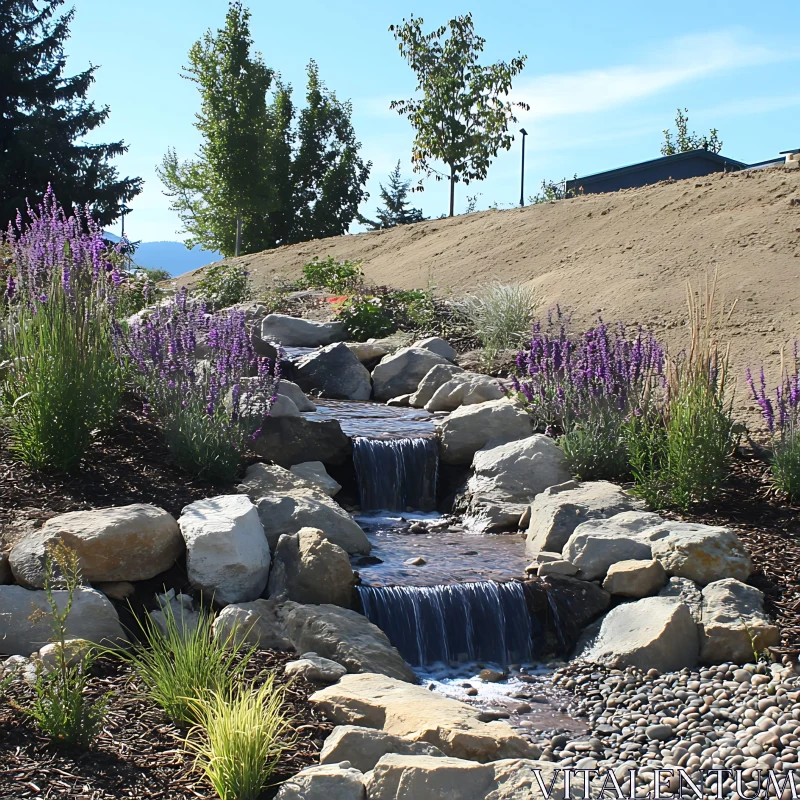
x=460 y=622
x=396 y=474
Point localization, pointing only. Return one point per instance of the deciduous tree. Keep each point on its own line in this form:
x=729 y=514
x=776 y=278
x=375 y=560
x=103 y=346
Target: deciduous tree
x=685 y=141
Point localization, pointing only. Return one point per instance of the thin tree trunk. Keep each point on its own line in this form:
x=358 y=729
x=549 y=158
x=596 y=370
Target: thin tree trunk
x=452 y=189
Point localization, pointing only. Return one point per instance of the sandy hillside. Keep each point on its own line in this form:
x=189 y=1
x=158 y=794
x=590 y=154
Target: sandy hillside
x=627 y=255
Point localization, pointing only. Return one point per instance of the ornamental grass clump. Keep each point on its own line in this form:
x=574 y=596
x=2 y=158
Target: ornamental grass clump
x=783 y=423
x=60 y=379
x=240 y=737
x=205 y=383
x=681 y=447
x=583 y=389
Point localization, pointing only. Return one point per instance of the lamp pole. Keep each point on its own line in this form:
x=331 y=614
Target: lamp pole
x=522 y=177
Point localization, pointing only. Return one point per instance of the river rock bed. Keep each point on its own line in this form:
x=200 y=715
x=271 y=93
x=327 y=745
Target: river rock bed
x=745 y=717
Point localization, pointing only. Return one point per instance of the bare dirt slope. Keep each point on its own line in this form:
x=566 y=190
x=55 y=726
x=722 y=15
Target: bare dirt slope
x=627 y=255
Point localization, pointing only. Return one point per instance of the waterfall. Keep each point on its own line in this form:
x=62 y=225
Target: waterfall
x=483 y=621
x=396 y=474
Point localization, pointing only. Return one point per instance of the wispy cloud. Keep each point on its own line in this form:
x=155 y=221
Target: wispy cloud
x=679 y=61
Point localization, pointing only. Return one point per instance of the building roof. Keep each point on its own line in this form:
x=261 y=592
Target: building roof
x=644 y=165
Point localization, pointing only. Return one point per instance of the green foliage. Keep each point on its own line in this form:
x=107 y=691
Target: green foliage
x=207 y=445
x=335 y=276
x=596 y=448
x=224 y=285
x=241 y=735
x=47 y=119
x=502 y=315
x=395 y=210
x=154 y=274
x=182 y=664
x=785 y=466
x=60 y=706
x=552 y=191
x=383 y=311
x=685 y=141
x=137 y=292
x=290 y=177
x=63 y=382
x=461 y=117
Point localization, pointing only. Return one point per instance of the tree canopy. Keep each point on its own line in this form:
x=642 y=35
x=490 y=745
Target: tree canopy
x=290 y=176
x=395 y=210
x=44 y=117
x=462 y=116
x=685 y=141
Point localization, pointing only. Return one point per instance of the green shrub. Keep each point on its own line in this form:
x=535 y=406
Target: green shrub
x=239 y=738
x=181 y=665
x=366 y=317
x=338 y=277
x=596 y=448
x=785 y=466
x=502 y=315
x=224 y=285
x=60 y=707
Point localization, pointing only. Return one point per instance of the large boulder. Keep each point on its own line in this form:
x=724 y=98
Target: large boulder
x=464 y=389
x=436 y=345
x=262 y=479
x=367 y=352
x=335 y=372
x=702 y=553
x=312 y=667
x=413 y=712
x=402 y=372
x=295 y=394
x=515 y=472
x=26 y=620
x=227 y=551
x=433 y=379
x=598 y=543
x=364 y=747
x=325 y=782
x=557 y=511
x=470 y=428
x=287 y=513
x=296 y=332
x=331 y=632
x=126 y=543
x=308 y=568
x=635 y=578
x=733 y=626
x=292 y=440
x=315 y=473
x=653 y=633
x=687 y=592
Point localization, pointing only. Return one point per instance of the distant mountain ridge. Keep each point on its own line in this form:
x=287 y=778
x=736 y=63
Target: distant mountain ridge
x=174 y=257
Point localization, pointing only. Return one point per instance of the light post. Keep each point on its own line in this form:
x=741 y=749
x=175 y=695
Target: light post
x=522 y=177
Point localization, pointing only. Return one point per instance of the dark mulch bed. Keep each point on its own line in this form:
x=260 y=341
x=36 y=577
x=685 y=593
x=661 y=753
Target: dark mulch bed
x=130 y=464
x=139 y=753
x=770 y=529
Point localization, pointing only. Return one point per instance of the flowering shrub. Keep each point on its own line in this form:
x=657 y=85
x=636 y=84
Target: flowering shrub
x=783 y=422
x=203 y=379
x=586 y=387
x=62 y=381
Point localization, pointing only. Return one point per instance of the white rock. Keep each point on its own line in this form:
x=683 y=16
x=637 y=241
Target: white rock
x=470 y=428
x=364 y=747
x=75 y=650
x=281 y=406
x=180 y=607
x=326 y=782
x=687 y=592
x=124 y=543
x=557 y=511
x=558 y=567
x=653 y=633
x=598 y=543
x=335 y=372
x=635 y=578
x=296 y=332
x=367 y=351
x=316 y=668
x=308 y=568
x=734 y=627
x=400 y=777
x=314 y=472
x=433 y=379
x=464 y=389
x=702 y=553
x=413 y=712
x=295 y=394
x=258 y=623
x=227 y=551
x=26 y=621
x=402 y=372
x=438 y=346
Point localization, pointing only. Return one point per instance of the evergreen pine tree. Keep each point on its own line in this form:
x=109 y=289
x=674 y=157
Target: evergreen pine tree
x=44 y=115
x=395 y=209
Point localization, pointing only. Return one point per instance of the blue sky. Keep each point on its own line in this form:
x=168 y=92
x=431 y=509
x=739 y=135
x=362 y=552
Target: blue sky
x=602 y=79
